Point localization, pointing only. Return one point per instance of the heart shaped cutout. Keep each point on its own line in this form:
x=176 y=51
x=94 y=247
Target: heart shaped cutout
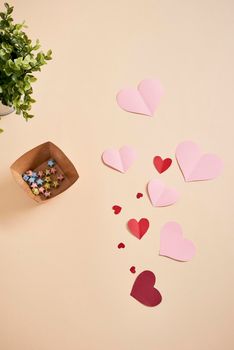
x=117 y=209
x=143 y=289
x=121 y=245
x=161 y=195
x=138 y=229
x=121 y=159
x=132 y=269
x=195 y=165
x=161 y=164
x=173 y=244
x=143 y=100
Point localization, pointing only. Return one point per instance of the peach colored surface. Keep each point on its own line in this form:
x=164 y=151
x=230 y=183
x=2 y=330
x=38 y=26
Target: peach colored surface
x=63 y=282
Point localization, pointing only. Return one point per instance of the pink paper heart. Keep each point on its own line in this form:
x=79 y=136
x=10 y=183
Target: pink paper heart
x=173 y=244
x=121 y=159
x=143 y=100
x=160 y=195
x=195 y=165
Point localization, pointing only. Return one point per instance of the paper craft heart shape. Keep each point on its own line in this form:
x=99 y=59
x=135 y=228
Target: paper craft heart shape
x=133 y=269
x=173 y=244
x=143 y=100
x=117 y=209
x=195 y=165
x=120 y=160
x=162 y=164
x=138 y=229
x=160 y=195
x=143 y=289
x=121 y=245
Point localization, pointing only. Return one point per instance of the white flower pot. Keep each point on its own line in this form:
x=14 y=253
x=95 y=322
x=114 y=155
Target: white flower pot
x=4 y=110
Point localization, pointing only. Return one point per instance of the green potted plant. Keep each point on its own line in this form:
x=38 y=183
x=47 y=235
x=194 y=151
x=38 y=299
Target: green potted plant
x=19 y=59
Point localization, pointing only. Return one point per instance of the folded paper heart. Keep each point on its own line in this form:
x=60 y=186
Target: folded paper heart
x=121 y=159
x=117 y=209
x=143 y=289
x=160 y=195
x=195 y=165
x=132 y=269
x=161 y=164
x=138 y=229
x=143 y=100
x=173 y=244
x=121 y=245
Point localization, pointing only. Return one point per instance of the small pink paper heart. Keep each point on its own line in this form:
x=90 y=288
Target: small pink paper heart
x=195 y=165
x=173 y=244
x=143 y=100
x=120 y=160
x=160 y=195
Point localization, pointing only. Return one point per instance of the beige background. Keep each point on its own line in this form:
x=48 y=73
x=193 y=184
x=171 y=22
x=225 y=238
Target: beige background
x=63 y=282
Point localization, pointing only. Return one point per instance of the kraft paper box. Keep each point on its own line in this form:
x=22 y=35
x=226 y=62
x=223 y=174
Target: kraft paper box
x=36 y=159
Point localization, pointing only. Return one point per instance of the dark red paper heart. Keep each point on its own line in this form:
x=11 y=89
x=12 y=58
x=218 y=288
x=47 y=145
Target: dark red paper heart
x=132 y=269
x=117 y=209
x=138 y=229
x=121 y=245
x=139 y=195
x=162 y=164
x=143 y=289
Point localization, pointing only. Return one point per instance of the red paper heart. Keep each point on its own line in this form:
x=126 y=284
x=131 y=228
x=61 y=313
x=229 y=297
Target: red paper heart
x=139 y=195
x=121 y=245
x=143 y=289
x=133 y=269
x=117 y=209
x=138 y=229
x=162 y=164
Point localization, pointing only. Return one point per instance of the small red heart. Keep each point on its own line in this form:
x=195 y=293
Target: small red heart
x=143 y=289
x=133 y=269
x=117 y=209
x=121 y=245
x=162 y=164
x=138 y=229
x=139 y=195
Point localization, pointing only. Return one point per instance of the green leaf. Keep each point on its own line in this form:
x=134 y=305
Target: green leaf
x=49 y=53
x=32 y=79
x=37 y=45
x=9 y=8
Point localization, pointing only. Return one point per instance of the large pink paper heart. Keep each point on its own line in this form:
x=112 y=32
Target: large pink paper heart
x=173 y=244
x=119 y=160
x=195 y=165
x=160 y=195
x=143 y=100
